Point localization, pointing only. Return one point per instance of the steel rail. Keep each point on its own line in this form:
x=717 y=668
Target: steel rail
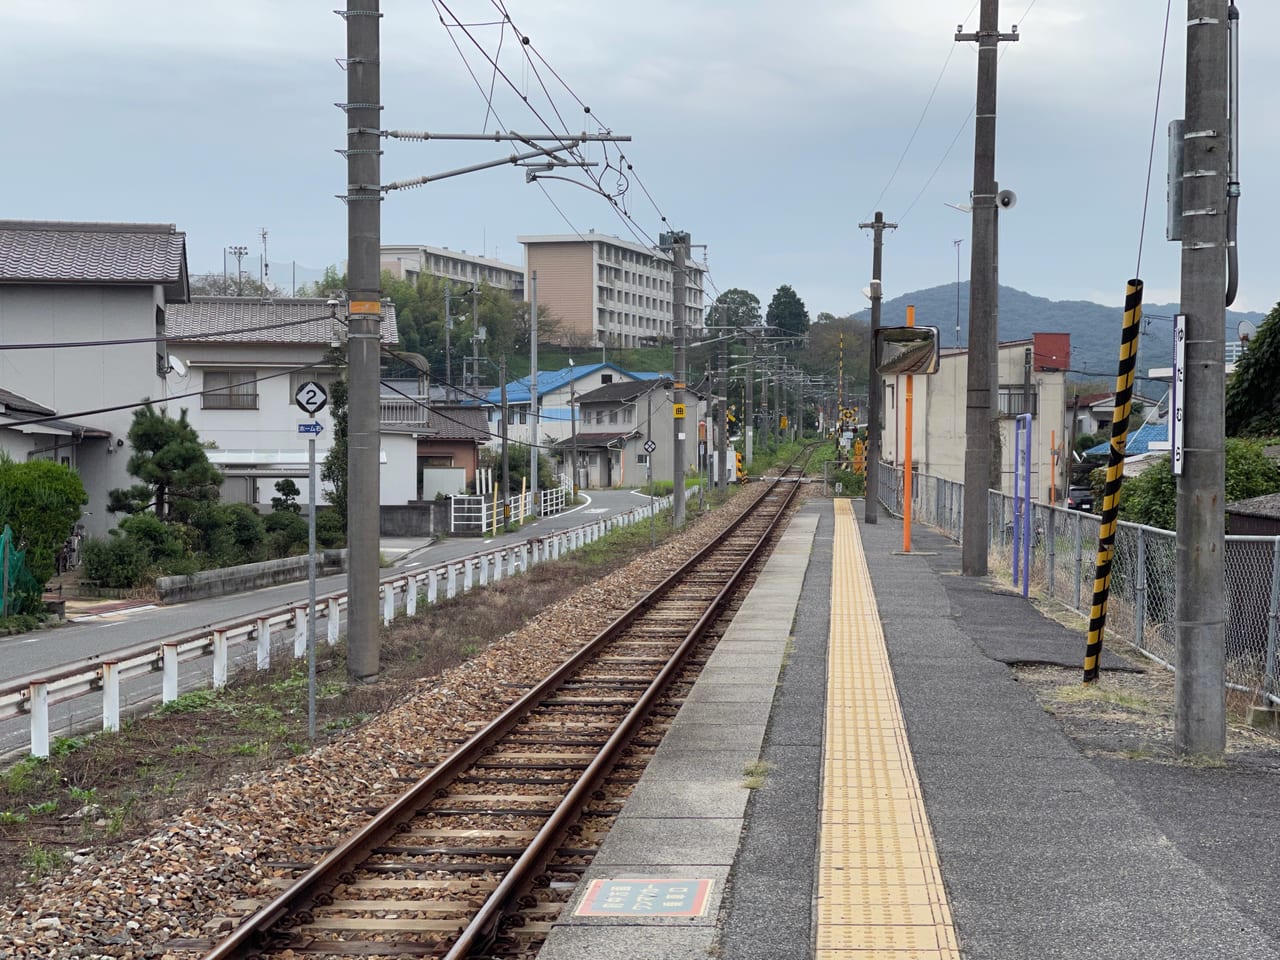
x=255 y=932
x=520 y=877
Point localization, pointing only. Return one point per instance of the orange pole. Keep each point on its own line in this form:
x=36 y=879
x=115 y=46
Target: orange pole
x=1053 y=468
x=906 y=459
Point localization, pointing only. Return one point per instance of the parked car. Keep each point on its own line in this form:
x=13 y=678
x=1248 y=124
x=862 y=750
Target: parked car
x=1080 y=498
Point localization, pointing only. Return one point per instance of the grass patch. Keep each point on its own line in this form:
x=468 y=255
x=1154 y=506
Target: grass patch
x=1078 y=693
x=41 y=862
x=755 y=773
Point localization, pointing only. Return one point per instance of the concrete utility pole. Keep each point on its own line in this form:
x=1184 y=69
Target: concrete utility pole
x=364 y=333
x=506 y=461
x=573 y=433
x=749 y=425
x=448 y=344
x=871 y=508
x=678 y=244
x=722 y=419
x=1200 y=707
x=980 y=407
x=533 y=391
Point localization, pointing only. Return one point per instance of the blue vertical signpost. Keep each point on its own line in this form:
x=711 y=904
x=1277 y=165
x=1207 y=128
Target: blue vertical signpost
x=311 y=398
x=1022 y=502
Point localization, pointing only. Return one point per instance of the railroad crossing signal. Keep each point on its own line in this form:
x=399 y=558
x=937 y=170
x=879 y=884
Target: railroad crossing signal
x=739 y=469
x=859 y=458
x=311 y=397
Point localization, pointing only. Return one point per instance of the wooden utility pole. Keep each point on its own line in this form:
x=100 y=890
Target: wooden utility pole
x=1200 y=705
x=980 y=406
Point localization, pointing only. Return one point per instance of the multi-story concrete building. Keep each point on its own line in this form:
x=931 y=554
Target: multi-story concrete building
x=406 y=262
x=608 y=291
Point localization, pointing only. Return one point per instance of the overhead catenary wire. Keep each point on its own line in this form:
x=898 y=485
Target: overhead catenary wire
x=180 y=338
x=1155 y=123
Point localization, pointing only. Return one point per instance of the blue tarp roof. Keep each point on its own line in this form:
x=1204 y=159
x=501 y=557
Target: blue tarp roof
x=1139 y=441
x=551 y=380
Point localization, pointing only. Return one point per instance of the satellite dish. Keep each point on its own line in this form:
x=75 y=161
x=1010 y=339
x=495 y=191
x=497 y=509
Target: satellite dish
x=1246 y=331
x=178 y=366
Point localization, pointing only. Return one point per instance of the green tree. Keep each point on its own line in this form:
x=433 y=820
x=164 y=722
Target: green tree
x=332 y=283
x=1151 y=497
x=1253 y=403
x=334 y=469
x=41 y=501
x=217 y=285
x=172 y=464
x=737 y=308
x=288 y=500
x=787 y=313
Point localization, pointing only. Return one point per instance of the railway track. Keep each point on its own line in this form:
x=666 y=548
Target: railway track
x=477 y=857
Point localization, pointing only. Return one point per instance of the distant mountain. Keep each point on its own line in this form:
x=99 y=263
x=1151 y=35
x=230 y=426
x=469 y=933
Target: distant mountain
x=1094 y=328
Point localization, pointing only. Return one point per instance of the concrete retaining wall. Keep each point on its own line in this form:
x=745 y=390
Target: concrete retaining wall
x=250 y=576
x=421 y=518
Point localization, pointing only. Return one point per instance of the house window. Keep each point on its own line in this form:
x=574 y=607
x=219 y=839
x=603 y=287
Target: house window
x=524 y=415
x=230 y=390
x=626 y=415
x=599 y=417
x=1014 y=400
x=511 y=416
x=606 y=378
x=613 y=416
x=642 y=459
x=436 y=460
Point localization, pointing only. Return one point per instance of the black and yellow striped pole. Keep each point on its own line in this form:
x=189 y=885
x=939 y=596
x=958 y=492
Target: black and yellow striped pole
x=1115 y=473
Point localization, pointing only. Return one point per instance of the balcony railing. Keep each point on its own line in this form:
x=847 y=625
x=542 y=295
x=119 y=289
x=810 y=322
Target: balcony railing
x=403 y=410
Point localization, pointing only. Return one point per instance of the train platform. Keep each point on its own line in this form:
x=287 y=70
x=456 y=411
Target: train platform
x=861 y=772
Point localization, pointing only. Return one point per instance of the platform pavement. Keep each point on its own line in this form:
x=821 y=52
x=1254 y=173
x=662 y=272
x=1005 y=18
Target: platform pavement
x=1045 y=852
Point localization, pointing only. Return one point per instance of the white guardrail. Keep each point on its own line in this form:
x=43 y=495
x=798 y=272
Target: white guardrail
x=34 y=694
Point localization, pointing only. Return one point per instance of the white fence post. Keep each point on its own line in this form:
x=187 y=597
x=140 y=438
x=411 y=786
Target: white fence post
x=411 y=596
x=482 y=564
x=39 y=698
x=169 y=686
x=334 y=624
x=299 y=632
x=497 y=566
x=433 y=585
x=264 y=643
x=388 y=603
x=110 y=695
x=219 y=659
x=511 y=560
x=451 y=582
x=468 y=575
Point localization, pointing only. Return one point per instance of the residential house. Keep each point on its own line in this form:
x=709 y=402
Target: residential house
x=556 y=389
x=94 y=298
x=614 y=422
x=1032 y=379
x=236 y=364
x=609 y=291
x=449 y=450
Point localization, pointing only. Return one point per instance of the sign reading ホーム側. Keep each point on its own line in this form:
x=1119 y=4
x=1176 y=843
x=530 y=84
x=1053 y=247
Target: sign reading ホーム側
x=645 y=897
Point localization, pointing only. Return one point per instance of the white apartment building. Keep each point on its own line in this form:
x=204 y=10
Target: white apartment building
x=607 y=291
x=406 y=262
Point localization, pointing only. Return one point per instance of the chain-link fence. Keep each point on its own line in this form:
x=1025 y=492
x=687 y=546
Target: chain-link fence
x=1140 y=606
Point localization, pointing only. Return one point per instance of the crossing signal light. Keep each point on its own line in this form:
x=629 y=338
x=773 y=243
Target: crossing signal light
x=741 y=471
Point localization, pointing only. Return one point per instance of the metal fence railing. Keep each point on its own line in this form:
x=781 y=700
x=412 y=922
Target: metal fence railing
x=1140 y=608
x=252 y=642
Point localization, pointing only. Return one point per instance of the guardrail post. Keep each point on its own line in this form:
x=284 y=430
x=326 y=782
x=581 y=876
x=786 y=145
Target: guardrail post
x=110 y=695
x=1273 y=623
x=264 y=643
x=534 y=559
x=38 y=693
x=482 y=566
x=411 y=596
x=334 y=618
x=497 y=566
x=299 y=632
x=220 y=659
x=451 y=582
x=1051 y=553
x=169 y=684
x=433 y=585
x=388 y=603
x=511 y=560
x=1079 y=559
x=1140 y=591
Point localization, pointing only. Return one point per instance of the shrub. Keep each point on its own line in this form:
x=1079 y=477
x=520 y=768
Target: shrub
x=286 y=534
x=330 y=529
x=116 y=561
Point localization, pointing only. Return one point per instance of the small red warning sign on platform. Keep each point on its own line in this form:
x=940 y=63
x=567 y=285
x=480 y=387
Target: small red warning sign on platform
x=645 y=897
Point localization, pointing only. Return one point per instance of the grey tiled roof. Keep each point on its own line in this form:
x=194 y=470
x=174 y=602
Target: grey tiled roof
x=11 y=402
x=1267 y=505
x=624 y=391
x=308 y=318
x=97 y=253
x=459 y=423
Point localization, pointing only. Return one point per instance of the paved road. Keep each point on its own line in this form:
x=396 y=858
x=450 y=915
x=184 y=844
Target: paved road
x=45 y=649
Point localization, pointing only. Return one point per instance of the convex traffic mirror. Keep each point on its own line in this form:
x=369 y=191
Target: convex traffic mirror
x=906 y=350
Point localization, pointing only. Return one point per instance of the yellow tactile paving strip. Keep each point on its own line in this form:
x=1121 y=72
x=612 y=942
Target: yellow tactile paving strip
x=880 y=891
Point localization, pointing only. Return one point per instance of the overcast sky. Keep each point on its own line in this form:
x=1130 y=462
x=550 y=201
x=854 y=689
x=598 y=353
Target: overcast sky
x=768 y=130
